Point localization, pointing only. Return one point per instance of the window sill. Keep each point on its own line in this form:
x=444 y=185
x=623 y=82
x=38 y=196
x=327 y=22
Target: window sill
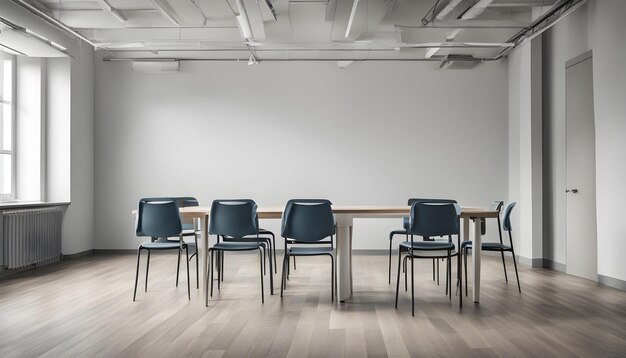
x=16 y=204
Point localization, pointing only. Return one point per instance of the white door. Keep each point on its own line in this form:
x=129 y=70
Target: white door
x=581 y=169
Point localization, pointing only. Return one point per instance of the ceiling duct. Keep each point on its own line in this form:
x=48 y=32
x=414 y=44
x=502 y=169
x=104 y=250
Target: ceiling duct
x=458 y=62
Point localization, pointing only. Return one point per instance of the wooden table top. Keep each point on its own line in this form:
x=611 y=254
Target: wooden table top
x=275 y=212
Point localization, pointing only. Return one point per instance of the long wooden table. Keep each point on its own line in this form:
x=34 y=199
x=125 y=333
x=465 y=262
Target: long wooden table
x=345 y=217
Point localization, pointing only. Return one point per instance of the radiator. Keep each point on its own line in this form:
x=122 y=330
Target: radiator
x=31 y=236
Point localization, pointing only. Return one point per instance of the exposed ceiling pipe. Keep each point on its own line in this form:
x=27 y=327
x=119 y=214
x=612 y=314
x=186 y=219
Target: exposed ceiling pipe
x=569 y=6
x=447 y=9
x=437 y=59
x=244 y=21
x=355 y=3
x=53 y=21
x=469 y=14
x=166 y=11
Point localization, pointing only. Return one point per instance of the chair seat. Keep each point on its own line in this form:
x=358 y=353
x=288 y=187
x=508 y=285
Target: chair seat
x=488 y=246
x=310 y=251
x=428 y=245
x=246 y=239
x=235 y=246
x=265 y=232
x=161 y=245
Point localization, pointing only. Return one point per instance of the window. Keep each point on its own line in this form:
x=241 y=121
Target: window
x=7 y=126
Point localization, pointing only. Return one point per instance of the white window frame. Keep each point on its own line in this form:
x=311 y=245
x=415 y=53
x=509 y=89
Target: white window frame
x=12 y=195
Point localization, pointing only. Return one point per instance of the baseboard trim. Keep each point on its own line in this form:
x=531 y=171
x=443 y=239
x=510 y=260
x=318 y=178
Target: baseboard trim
x=553 y=265
x=612 y=282
x=115 y=251
x=530 y=262
x=77 y=255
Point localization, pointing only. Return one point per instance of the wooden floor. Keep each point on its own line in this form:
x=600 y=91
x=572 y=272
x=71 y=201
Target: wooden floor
x=84 y=308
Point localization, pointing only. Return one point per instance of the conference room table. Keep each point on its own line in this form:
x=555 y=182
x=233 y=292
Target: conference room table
x=345 y=216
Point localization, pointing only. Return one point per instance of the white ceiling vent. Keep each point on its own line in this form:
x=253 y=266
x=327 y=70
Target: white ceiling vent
x=458 y=62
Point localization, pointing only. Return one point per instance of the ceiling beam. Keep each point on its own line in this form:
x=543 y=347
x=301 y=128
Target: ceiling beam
x=468 y=24
x=116 y=13
x=167 y=12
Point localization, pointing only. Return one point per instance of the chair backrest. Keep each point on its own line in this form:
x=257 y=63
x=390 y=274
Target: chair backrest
x=308 y=220
x=411 y=201
x=506 y=224
x=434 y=219
x=496 y=205
x=158 y=218
x=185 y=201
x=233 y=217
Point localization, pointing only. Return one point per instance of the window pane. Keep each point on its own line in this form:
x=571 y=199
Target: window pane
x=6 y=94
x=5 y=121
x=7 y=87
x=6 y=174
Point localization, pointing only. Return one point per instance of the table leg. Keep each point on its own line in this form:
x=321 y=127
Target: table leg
x=344 y=258
x=476 y=254
x=203 y=258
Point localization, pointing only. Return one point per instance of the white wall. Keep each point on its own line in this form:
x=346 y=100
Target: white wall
x=78 y=222
x=525 y=150
x=598 y=26
x=375 y=133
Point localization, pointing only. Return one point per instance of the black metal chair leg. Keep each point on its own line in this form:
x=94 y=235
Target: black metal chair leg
x=283 y=278
x=137 y=274
x=412 y=282
x=187 y=261
x=437 y=261
x=220 y=271
x=449 y=275
x=398 y=275
x=209 y=278
x=460 y=275
x=390 y=242
x=332 y=278
x=506 y=279
x=261 y=262
x=212 y=274
x=264 y=268
x=271 y=273
x=177 y=268
x=519 y=288
x=274 y=251
x=294 y=263
x=406 y=274
x=147 y=270
x=222 y=255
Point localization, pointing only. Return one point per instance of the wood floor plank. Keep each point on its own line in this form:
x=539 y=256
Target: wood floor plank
x=83 y=308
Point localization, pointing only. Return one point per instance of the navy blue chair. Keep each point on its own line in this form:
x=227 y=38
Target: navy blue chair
x=405 y=227
x=495 y=246
x=188 y=230
x=268 y=243
x=159 y=220
x=237 y=219
x=429 y=219
x=306 y=224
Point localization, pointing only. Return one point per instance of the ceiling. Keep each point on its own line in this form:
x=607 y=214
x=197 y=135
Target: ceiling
x=297 y=29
